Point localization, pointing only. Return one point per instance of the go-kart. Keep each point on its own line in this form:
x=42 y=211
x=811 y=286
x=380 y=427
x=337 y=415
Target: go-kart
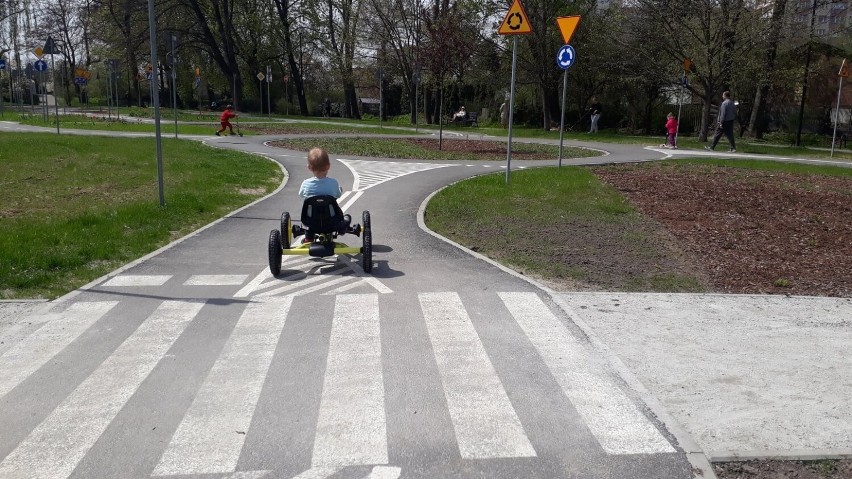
x=322 y=221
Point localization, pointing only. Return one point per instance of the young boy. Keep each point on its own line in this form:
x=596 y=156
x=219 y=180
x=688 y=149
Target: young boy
x=671 y=130
x=321 y=183
x=223 y=120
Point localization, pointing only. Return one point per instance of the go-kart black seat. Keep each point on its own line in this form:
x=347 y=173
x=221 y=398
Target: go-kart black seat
x=322 y=214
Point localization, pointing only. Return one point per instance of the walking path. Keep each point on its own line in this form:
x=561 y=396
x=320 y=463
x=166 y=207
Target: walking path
x=730 y=376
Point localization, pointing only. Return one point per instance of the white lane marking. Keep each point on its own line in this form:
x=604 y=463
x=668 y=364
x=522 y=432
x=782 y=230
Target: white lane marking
x=248 y=474
x=611 y=416
x=351 y=426
x=384 y=472
x=485 y=423
x=216 y=280
x=294 y=285
x=347 y=287
x=126 y=280
x=318 y=473
x=345 y=207
x=19 y=362
x=211 y=436
x=254 y=284
x=368 y=174
x=55 y=446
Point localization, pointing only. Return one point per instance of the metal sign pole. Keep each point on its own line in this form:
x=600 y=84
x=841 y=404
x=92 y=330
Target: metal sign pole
x=680 y=106
x=268 y=91
x=511 y=107
x=152 y=21
x=562 y=116
x=55 y=97
x=174 y=82
x=836 y=117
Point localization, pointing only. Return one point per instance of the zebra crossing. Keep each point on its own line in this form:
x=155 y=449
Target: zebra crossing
x=348 y=425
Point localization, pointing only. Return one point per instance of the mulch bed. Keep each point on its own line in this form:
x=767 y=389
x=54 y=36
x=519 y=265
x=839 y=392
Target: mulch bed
x=752 y=231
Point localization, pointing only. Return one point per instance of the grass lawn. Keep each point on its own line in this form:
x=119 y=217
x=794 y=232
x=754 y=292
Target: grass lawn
x=74 y=208
x=454 y=149
x=567 y=228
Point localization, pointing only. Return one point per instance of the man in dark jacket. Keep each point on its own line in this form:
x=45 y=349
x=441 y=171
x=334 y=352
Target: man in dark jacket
x=725 y=122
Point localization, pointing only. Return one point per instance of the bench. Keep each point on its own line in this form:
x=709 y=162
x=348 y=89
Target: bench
x=469 y=120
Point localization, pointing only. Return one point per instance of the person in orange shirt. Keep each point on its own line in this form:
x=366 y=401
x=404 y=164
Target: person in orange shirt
x=224 y=120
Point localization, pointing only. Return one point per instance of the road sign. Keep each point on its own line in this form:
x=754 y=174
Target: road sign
x=566 y=57
x=196 y=83
x=688 y=66
x=80 y=80
x=516 y=21
x=260 y=76
x=416 y=77
x=268 y=74
x=844 y=69
x=2 y=64
x=40 y=66
x=50 y=47
x=39 y=52
x=567 y=25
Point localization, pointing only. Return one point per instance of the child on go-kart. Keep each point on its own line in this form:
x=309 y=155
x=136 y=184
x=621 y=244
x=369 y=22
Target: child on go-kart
x=320 y=184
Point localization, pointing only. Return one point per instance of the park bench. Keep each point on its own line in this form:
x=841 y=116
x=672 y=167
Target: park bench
x=470 y=120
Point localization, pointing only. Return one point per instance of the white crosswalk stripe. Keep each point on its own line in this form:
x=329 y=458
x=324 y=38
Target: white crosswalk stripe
x=486 y=425
x=624 y=430
x=302 y=275
x=208 y=441
x=55 y=447
x=35 y=350
x=351 y=426
x=372 y=173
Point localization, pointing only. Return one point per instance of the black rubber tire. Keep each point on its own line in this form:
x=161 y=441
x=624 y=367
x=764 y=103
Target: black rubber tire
x=275 y=252
x=367 y=242
x=367 y=250
x=286 y=230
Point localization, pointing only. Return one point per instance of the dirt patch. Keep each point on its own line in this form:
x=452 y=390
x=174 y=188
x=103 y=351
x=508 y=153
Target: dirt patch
x=751 y=231
x=784 y=470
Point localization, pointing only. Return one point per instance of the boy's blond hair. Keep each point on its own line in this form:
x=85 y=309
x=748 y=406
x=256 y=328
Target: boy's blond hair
x=318 y=160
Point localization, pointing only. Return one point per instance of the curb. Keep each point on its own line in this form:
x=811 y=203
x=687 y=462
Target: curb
x=702 y=469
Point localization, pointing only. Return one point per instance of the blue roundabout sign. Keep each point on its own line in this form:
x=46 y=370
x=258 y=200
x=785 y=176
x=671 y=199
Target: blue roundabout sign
x=566 y=57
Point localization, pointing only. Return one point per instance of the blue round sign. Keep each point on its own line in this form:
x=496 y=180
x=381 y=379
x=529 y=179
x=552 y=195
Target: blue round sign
x=2 y=64
x=40 y=66
x=566 y=57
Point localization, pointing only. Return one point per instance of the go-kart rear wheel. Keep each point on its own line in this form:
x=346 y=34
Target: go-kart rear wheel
x=367 y=251
x=286 y=230
x=367 y=238
x=275 y=252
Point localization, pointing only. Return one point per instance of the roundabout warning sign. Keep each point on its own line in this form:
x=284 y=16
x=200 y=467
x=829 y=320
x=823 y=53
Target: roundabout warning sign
x=516 y=21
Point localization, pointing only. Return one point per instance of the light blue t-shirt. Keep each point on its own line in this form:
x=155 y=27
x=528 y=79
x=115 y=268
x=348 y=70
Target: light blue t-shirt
x=319 y=186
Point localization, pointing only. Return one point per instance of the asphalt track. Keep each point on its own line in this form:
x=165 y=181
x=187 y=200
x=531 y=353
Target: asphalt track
x=195 y=362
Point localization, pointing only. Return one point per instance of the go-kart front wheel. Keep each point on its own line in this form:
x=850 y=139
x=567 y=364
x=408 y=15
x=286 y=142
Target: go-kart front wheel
x=286 y=230
x=367 y=243
x=275 y=252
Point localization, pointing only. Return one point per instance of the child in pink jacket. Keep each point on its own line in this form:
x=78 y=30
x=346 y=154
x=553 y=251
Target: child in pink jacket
x=671 y=129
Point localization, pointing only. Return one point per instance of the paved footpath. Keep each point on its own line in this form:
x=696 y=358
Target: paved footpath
x=195 y=362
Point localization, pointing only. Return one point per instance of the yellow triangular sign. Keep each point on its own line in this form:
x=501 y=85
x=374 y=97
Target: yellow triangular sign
x=516 y=21
x=567 y=25
x=844 y=69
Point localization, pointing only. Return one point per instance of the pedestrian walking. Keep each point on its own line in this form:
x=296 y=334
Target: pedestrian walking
x=595 y=111
x=725 y=122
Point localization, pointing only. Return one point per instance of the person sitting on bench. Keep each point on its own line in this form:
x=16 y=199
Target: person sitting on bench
x=460 y=116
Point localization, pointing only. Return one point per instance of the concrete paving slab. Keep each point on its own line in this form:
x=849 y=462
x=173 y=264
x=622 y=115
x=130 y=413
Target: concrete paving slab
x=744 y=375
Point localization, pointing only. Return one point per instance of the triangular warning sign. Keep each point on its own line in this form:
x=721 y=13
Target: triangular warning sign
x=567 y=25
x=516 y=21
x=844 y=69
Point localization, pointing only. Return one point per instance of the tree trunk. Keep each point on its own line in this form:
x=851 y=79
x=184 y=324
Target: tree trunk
x=758 y=108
